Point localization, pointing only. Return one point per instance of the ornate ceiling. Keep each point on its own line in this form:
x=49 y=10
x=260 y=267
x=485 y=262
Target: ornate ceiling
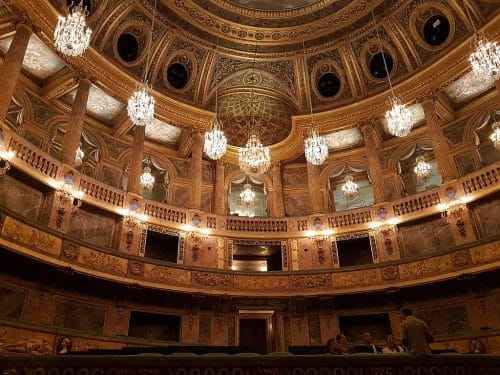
x=215 y=43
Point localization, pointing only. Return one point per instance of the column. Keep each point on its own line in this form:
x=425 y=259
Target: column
x=220 y=197
x=315 y=199
x=74 y=127
x=374 y=167
x=442 y=153
x=196 y=171
x=11 y=67
x=135 y=166
x=278 y=205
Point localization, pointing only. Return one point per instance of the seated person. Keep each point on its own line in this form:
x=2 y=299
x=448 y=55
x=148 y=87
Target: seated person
x=368 y=345
x=330 y=345
x=342 y=346
x=392 y=347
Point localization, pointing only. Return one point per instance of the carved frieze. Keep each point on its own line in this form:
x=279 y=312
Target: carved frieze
x=165 y=274
x=353 y=278
x=262 y=283
x=390 y=273
x=461 y=258
x=26 y=235
x=106 y=262
x=311 y=281
x=212 y=279
x=135 y=268
x=425 y=267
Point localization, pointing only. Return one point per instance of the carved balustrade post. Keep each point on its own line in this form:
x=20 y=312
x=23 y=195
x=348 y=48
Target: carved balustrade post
x=12 y=64
x=135 y=165
x=315 y=198
x=442 y=153
x=220 y=197
x=372 y=144
x=74 y=126
x=196 y=172
x=278 y=203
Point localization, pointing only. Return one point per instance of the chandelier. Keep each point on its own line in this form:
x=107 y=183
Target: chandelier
x=247 y=197
x=485 y=60
x=423 y=169
x=141 y=106
x=316 y=149
x=349 y=187
x=254 y=159
x=147 y=179
x=399 y=118
x=5 y=156
x=495 y=136
x=72 y=36
x=79 y=156
x=215 y=145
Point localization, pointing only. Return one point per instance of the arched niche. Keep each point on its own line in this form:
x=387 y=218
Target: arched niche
x=339 y=201
x=411 y=183
x=159 y=193
x=236 y=185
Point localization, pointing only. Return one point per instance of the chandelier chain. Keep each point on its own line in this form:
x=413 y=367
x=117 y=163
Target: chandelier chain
x=150 y=42
x=382 y=51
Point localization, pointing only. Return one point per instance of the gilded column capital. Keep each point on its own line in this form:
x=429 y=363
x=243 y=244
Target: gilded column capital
x=83 y=75
x=23 y=20
x=428 y=99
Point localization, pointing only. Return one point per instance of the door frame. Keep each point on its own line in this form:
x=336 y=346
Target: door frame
x=266 y=315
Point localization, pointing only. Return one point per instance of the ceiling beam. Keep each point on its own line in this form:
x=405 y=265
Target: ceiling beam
x=60 y=84
x=444 y=108
x=121 y=124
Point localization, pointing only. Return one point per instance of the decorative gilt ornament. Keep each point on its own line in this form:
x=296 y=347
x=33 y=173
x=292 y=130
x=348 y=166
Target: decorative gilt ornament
x=79 y=156
x=72 y=36
x=495 y=136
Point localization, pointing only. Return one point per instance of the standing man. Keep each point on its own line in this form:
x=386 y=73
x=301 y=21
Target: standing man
x=416 y=335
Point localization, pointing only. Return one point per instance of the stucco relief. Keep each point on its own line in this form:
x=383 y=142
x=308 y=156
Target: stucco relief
x=485 y=253
x=274 y=5
x=343 y=139
x=365 y=277
x=22 y=233
x=424 y=267
x=103 y=261
x=70 y=250
x=295 y=176
x=16 y=341
x=161 y=131
x=165 y=274
x=99 y=103
x=468 y=87
x=311 y=281
x=256 y=282
x=212 y=279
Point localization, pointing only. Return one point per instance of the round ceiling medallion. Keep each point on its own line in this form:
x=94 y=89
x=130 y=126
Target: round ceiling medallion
x=378 y=67
x=436 y=30
x=177 y=75
x=328 y=85
x=127 y=46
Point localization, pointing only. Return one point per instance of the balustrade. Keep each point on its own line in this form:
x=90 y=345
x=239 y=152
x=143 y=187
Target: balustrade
x=102 y=193
x=165 y=213
x=482 y=180
x=415 y=204
x=38 y=160
x=349 y=219
x=256 y=225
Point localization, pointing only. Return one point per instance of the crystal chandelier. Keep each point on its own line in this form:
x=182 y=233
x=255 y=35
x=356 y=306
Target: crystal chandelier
x=72 y=36
x=495 y=136
x=423 y=169
x=349 y=187
x=399 y=118
x=141 y=106
x=485 y=60
x=79 y=156
x=147 y=179
x=247 y=197
x=316 y=149
x=215 y=145
x=254 y=159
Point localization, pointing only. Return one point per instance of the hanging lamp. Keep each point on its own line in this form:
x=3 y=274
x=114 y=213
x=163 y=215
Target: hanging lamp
x=141 y=105
x=315 y=147
x=215 y=144
x=71 y=35
x=147 y=180
x=399 y=118
x=254 y=159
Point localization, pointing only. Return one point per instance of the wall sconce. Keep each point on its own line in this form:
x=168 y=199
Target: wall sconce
x=196 y=233
x=5 y=156
x=65 y=196
x=319 y=237
x=384 y=228
x=456 y=211
x=133 y=220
